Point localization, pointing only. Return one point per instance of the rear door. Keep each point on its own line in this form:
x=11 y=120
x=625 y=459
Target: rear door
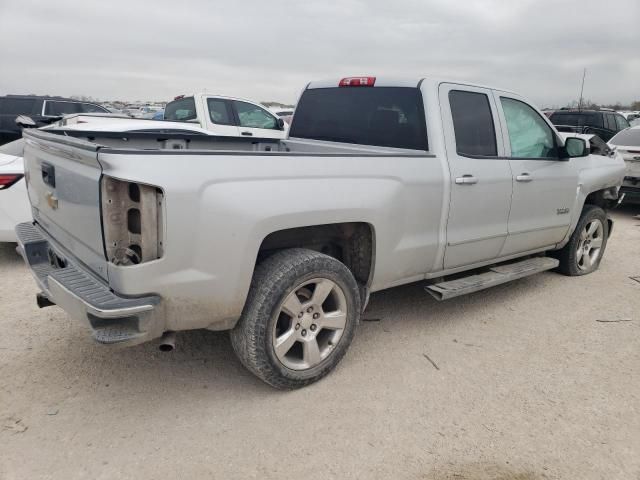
x=63 y=183
x=255 y=121
x=545 y=186
x=220 y=117
x=480 y=175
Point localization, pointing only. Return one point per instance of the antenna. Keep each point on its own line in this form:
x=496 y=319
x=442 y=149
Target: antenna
x=584 y=73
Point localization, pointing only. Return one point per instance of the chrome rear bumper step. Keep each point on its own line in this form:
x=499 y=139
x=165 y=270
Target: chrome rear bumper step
x=495 y=276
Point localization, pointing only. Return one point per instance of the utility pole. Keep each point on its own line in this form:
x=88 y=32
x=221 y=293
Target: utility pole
x=584 y=73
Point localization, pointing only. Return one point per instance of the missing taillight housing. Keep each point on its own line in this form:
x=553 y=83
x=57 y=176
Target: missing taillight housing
x=132 y=221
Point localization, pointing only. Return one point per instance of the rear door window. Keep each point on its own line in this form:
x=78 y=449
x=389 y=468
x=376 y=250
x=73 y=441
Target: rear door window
x=621 y=123
x=219 y=111
x=529 y=135
x=473 y=124
x=181 y=110
x=55 y=108
x=609 y=121
x=19 y=106
x=378 y=116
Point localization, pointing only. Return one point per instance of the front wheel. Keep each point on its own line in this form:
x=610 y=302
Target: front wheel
x=299 y=318
x=584 y=251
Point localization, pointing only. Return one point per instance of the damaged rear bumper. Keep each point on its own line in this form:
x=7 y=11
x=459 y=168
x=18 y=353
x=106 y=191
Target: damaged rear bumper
x=112 y=318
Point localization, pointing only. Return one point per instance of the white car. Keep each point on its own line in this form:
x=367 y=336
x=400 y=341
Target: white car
x=627 y=144
x=14 y=204
x=226 y=116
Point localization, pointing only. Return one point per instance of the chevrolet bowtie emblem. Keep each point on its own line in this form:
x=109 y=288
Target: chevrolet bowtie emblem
x=52 y=200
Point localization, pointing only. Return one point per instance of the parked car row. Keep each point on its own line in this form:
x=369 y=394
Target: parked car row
x=603 y=123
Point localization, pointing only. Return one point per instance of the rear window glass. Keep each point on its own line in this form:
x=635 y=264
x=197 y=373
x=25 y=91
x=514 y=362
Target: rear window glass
x=379 y=116
x=181 y=110
x=473 y=124
x=627 y=138
x=18 y=106
x=61 y=108
x=577 y=119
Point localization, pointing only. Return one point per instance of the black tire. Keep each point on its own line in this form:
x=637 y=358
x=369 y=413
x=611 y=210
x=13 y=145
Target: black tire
x=569 y=256
x=274 y=280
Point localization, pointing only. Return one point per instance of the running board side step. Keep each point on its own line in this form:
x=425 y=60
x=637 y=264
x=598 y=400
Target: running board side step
x=495 y=276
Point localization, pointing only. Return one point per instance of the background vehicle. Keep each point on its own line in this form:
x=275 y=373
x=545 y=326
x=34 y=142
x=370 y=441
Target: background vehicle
x=43 y=110
x=226 y=116
x=14 y=202
x=596 y=145
x=381 y=183
x=627 y=144
x=603 y=123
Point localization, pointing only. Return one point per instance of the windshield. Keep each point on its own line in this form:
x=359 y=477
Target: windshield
x=627 y=138
x=379 y=116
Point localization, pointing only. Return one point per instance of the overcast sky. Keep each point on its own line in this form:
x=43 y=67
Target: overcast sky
x=268 y=50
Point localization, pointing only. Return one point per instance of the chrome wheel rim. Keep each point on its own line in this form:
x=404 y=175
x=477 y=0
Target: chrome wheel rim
x=309 y=324
x=590 y=245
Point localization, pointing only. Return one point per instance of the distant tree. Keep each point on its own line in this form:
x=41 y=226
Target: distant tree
x=635 y=105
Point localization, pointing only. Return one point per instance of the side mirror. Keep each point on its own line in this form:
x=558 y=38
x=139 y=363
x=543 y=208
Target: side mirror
x=280 y=123
x=25 y=122
x=575 y=147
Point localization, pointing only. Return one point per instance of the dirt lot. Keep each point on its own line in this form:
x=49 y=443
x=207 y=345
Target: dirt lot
x=526 y=383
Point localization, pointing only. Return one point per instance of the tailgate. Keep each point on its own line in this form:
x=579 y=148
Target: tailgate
x=63 y=181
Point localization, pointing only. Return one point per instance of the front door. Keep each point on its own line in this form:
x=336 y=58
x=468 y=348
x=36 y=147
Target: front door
x=544 y=185
x=480 y=176
x=255 y=121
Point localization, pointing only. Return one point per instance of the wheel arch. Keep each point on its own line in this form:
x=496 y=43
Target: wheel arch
x=352 y=243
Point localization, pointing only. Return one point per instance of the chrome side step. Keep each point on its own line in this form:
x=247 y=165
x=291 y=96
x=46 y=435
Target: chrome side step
x=495 y=276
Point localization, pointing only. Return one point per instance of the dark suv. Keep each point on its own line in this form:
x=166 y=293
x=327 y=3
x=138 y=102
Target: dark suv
x=43 y=110
x=603 y=123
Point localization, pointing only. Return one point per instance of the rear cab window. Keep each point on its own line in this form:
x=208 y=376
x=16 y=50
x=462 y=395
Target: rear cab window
x=376 y=116
x=181 y=110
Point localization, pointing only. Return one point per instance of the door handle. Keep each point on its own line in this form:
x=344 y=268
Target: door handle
x=247 y=134
x=525 y=177
x=466 y=180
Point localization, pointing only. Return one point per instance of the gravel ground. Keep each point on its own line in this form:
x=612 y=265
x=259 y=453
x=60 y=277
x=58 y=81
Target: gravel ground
x=521 y=381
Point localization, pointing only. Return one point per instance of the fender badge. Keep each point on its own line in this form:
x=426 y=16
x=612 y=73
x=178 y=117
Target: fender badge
x=52 y=200
x=559 y=211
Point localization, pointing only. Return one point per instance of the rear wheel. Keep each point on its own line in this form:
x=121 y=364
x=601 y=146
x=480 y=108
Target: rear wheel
x=299 y=318
x=584 y=251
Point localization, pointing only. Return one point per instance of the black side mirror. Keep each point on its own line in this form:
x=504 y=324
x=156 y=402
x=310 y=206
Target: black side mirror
x=280 y=124
x=25 y=121
x=575 y=147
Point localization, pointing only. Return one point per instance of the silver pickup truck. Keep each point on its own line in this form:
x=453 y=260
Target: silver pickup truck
x=380 y=183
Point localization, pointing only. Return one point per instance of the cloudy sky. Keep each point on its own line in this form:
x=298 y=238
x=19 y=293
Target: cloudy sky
x=268 y=50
